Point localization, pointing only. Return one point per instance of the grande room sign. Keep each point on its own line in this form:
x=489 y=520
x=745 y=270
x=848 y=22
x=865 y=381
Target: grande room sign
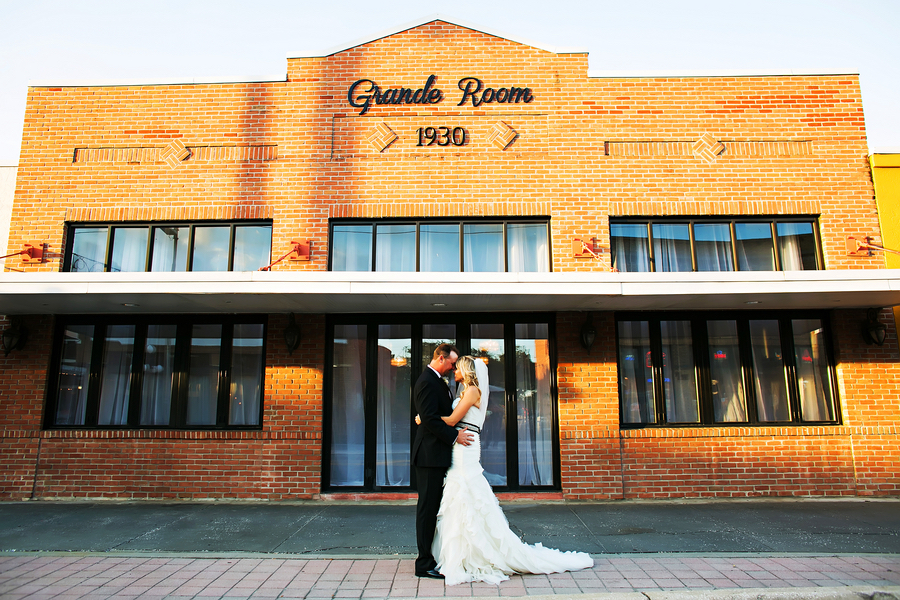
x=364 y=93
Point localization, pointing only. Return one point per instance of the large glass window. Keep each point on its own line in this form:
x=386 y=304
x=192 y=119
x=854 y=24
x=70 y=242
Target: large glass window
x=730 y=368
x=374 y=362
x=158 y=372
x=237 y=246
x=668 y=245
x=440 y=246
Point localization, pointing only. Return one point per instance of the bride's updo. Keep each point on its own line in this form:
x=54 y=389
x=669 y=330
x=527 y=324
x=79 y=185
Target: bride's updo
x=466 y=367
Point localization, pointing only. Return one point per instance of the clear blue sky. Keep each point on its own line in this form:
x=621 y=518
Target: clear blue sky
x=139 y=39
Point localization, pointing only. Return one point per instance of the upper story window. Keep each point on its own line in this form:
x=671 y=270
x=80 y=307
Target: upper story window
x=169 y=247
x=440 y=246
x=765 y=244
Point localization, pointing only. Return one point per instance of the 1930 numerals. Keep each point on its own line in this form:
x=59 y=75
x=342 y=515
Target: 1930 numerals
x=442 y=136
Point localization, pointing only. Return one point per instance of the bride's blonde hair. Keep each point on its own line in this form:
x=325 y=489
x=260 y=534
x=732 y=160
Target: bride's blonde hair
x=466 y=366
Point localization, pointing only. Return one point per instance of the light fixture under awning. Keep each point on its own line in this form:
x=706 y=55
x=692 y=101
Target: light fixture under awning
x=344 y=292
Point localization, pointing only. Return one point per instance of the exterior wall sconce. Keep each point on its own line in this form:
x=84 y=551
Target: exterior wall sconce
x=14 y=336
x=588 y=333
x=873 y=330
x=292 y=335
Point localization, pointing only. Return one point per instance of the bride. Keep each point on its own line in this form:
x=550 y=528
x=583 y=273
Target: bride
x=473 y=540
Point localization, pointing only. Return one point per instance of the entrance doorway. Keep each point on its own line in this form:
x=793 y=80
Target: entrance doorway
x=373 y=362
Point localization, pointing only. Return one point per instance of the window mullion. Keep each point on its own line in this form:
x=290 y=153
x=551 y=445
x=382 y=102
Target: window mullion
x=693 y=248
x=178 y=410
x=137 y=374
x=786 y=330
x=701 y=369
x=223 y=413
x=370 y=407
x=650 y=253
x=656 y=360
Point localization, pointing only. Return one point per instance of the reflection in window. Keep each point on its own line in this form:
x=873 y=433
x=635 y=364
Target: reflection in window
x=672 y=247
x=129 y=249
x=797 y=246
x=636 y=373
x=680 y=385
x=211 y=248
x=439 y=247
x=432 y=337
x=252 y=247
x=74 y=374
x=534 y=404
x=713 y=244
x=768 y=369
x=170 y=249
x=203 y=375
x=392 y=422
x=89 y=250
x=754 y=246
x=246 y=374
x=159 y=373
x=488 y=345
x=729 y=405
x=348 y=405
x=630 y=247
x=483 y=251
x=813 y=380
x=395 y=248
x=527 y=247
x=115 y=375
x=351 y=248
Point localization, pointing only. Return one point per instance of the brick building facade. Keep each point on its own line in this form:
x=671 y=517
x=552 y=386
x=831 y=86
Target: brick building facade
x=656 y=270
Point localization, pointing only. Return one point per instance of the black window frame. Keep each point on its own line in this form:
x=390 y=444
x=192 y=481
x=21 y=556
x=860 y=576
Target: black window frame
x=462 y=321
x=71 y=227
x=731 y=221
x=441 y=220
x=178 y=407
x=700 y=348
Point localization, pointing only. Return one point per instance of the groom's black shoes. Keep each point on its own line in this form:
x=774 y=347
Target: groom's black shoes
x=432 y=573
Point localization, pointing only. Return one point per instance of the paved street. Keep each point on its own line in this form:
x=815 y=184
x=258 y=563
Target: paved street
x=737 y=549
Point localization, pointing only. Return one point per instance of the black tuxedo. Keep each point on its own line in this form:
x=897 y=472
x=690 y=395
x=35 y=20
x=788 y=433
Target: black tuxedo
x=432 y=451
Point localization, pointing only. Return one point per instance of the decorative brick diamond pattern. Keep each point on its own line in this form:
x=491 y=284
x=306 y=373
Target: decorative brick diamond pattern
x=502 y=135
x=708 y=148
x=174 y=153
x=381 y=137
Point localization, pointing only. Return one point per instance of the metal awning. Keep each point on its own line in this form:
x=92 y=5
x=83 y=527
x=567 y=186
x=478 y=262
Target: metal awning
x=344 y=292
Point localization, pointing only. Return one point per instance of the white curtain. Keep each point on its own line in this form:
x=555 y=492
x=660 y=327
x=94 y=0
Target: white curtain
x=630 y=247
x=483 y=250
x=527 y=247
x=159 y=368
x=713 y=244
x=246 y=374
x=534 y=406
x=395 y=248
x=672 y=248
x=74 y=374
x=347 y=405
x=129 y=249
x=115 y=379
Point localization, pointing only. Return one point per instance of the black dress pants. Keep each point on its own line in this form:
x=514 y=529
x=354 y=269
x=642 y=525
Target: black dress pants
x=430 y=485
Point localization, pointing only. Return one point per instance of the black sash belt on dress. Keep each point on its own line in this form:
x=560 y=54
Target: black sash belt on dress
x=469 y=426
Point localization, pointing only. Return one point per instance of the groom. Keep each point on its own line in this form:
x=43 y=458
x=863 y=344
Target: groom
x=432 y=450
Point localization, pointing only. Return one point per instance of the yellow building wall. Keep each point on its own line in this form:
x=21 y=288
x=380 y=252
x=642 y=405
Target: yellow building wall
x=886 y=176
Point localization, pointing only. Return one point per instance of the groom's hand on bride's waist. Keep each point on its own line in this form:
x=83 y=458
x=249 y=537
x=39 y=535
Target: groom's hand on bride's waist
x=464 y=437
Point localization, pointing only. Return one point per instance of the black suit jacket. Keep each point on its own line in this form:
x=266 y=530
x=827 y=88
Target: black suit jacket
x=433 y=446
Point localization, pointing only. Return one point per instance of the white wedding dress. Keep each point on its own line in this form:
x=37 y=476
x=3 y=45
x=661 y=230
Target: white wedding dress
x=473 y=541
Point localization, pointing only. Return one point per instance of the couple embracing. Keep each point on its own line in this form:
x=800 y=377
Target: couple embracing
x=461 y=532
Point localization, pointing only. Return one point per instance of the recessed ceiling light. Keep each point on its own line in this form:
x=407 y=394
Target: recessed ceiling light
x=752 y=302
x=439 y=304
x=130 y=305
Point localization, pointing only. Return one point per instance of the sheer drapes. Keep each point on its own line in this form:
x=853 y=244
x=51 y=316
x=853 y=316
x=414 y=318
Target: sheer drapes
x=439 y=248
x=527 y=247
x=115 y=375
x=713 y=244
x=170 y=249
x=351 y=248
x=395 y=248
x=393 y=412
x=635 y=372
x=754 y=247
x=159 y=367
x=246 y=374
x=483 y=248
x=89 y=250
x=679 y=374
x=797 y=246
x=534 y=405
x=768 y=370
x=488 y=344
x=630 y=247
x=74 y=374
x=348 y=405
x=813 y=381
x=129 y=249
x=729 y=405
x=672 y=247
x=203 y=378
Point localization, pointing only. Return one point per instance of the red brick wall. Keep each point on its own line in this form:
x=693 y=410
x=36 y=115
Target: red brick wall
x=295 y=152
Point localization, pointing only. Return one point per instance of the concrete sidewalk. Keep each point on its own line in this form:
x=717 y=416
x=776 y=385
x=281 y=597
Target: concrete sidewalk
x=315 y=550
